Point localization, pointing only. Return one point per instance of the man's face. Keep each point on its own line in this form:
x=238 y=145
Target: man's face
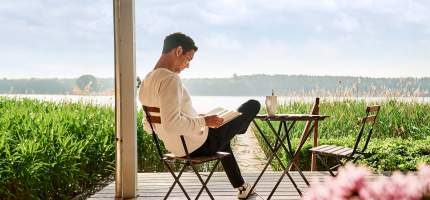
x=184 y=59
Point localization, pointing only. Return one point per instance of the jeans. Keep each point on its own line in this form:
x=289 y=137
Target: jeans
x=219 y=140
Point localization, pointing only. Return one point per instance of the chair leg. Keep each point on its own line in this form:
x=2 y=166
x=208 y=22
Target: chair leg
x=207 y=179
x=176 y=181
x=355 y=159
x=339 y=160
x=201 y=181
x=337 y=166
x=324 y=162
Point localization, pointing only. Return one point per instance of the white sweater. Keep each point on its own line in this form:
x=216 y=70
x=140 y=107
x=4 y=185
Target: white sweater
x=163 y=88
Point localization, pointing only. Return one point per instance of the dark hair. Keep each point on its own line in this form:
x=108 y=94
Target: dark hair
x=178 y=39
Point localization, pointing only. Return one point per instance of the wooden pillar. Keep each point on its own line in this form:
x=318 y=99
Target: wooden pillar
x=125 y=100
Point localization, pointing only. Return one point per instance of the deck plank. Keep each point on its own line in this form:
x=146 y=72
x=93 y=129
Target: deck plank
x=154 y=186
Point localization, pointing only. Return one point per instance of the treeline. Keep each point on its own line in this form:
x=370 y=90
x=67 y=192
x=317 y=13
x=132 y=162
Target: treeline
x=57 y=86
x=303 y=85
x=249 y=85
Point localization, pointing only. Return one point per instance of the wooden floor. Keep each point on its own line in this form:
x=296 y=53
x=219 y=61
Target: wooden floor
x=155 y=185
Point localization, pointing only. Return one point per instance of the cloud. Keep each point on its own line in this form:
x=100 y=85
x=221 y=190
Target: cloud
x=220 y=41
x=322 y=49
x=41 y=22
x=427 y=30
x=234 y=35
x=297 y=5
x=224 y=11
x=346 y=23
x=416 y=12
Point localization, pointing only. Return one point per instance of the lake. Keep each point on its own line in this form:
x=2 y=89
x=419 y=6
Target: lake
x=205 y=103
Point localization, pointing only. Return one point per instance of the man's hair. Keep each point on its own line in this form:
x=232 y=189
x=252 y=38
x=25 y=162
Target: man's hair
x=178 y=39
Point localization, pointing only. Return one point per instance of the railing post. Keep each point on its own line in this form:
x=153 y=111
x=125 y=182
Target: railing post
x=125 y=100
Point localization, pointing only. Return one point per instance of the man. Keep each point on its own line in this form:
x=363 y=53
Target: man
x=162 y=87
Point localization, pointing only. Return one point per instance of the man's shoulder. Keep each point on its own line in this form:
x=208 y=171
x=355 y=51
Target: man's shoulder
x=160 y=77
x=162 y=73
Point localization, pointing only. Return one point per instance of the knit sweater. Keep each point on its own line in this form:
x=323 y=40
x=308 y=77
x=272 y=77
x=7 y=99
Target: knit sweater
x=163 y=88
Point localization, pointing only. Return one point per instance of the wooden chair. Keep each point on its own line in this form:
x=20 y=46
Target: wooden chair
x=349 y=154
x=186 y=161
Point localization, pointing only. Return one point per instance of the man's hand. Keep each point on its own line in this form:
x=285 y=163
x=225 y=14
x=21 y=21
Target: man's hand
x=213 y=121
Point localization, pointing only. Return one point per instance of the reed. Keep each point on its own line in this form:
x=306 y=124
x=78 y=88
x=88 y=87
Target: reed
x=399 y=122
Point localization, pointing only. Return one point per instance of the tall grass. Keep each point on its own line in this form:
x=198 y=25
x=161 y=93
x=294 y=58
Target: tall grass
x=398 y=122
x=60 y=150
x=51 y=150
x=395 y=119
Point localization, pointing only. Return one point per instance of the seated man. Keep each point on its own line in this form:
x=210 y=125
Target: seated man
x=162 y=87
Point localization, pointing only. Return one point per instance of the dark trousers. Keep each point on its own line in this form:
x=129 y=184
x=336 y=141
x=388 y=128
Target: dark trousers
x=219 y=140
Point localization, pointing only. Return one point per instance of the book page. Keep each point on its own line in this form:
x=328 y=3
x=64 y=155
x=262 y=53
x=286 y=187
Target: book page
x=215 y=111
x=227 y=115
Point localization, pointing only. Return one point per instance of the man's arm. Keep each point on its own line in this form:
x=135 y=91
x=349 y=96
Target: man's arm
x=213 y=121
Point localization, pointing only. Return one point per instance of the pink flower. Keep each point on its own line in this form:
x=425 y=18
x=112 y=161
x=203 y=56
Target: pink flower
x=318 y=192
x=424 y=174
x=351 y=184
x=374 y=190
x=350 y=180
x=398 y=186
x=348 y=183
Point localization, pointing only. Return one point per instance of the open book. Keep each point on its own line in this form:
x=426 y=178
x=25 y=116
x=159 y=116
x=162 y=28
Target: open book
x=227 y=115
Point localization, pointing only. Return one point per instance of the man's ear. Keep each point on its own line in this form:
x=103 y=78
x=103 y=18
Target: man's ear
x=179 y=51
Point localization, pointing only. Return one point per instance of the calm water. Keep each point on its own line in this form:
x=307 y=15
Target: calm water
x=206 y=103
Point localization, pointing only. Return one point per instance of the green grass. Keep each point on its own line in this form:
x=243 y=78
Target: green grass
x=60 y=150
x=53 y=150
x=401 y=137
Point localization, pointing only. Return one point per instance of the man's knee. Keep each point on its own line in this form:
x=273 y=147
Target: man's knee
x=253 y=106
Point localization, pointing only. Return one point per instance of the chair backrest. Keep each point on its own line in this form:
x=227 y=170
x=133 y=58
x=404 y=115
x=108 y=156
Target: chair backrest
x=157 y=120
x=367 y=124
x=153 y=120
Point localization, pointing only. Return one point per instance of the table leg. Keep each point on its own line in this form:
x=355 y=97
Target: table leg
x=274 y=155
x=290 y=163
x=289 y=150
x=279 y=181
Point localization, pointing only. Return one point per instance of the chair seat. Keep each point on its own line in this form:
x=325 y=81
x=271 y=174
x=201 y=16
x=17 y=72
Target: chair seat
x=196 y=160
x=332 y=150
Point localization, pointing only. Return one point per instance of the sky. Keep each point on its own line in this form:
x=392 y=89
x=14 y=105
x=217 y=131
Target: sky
x=371 y=38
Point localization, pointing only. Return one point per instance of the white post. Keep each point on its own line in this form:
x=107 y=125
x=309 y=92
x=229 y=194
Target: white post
x=125 y=100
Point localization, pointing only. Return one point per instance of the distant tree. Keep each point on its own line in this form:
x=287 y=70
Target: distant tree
x=138 y=82
x=239 y=85
x=87 y=83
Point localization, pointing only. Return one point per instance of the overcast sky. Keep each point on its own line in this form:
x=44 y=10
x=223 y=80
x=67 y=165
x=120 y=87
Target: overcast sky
x=68 y=38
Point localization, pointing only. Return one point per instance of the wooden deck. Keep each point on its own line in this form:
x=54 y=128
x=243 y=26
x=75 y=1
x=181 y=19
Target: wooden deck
x=153 y=186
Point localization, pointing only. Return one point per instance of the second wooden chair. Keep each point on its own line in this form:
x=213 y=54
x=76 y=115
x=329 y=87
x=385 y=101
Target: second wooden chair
x=349 y=154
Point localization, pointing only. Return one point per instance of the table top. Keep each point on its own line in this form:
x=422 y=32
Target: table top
x=291 y=117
